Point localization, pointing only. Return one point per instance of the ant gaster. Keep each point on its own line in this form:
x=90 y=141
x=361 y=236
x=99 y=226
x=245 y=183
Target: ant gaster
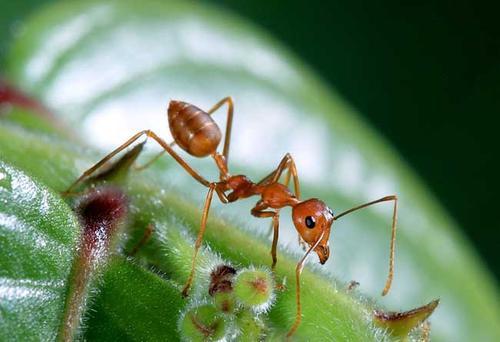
x=196 y=132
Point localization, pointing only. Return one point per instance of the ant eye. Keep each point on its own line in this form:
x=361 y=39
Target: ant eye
x=310 y=222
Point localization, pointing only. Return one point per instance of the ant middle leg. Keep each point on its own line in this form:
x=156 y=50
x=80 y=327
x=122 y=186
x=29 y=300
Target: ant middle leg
x=259 y=211
x=149 y=134
x=199 y=239
x=287 y=163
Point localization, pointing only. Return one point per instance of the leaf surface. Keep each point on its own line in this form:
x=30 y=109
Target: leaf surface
x=38 y=236
x=109 y=70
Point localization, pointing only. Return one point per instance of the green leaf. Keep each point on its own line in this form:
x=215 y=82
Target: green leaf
x=38 y=236
x=110 y=69
x=134 y=304
x=38 y=241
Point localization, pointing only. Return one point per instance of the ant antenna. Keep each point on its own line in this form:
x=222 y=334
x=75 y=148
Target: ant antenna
x=393 y=234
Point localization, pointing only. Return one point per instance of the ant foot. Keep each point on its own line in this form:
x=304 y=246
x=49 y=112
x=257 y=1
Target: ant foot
x=66 y=193
x=69 y=193
x=185 y=292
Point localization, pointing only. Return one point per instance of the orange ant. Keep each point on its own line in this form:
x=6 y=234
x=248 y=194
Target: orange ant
x=196 y=132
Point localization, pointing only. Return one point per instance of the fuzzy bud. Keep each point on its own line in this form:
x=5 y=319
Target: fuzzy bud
x=251 y=327
x=225 y=302
x=254 y=288
x=203 y=323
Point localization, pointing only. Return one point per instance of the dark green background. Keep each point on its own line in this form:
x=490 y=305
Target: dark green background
x=424 y=73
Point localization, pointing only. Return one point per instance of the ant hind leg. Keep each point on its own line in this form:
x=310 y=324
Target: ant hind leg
x=149 y=134
x=229 y=122
x=152 y=160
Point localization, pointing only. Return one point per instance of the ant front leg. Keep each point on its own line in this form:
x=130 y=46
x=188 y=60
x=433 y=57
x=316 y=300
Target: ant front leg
x=298 y=272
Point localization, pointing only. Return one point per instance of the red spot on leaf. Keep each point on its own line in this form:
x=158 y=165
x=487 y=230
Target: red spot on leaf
x=10 y=95
x=100 y=212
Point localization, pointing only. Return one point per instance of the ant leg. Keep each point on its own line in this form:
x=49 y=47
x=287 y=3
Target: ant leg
x=115 y=168
x=149 y=134
x=301 y=241
x=287 y=163
x=178 y=158
x=298 y=271
x=293 y=170
x=258 y=211
x=393 y=233
x=152 y=160
x=229 y=122
x=276 y=226
x=199 y=239
x=222 y=196
x=103 y=161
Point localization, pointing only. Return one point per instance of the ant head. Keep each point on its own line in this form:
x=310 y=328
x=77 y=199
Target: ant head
x=311 y=218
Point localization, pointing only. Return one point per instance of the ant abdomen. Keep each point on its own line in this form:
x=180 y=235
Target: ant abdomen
x=193 y=129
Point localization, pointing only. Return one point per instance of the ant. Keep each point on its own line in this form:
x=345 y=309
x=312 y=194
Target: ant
x=196 y=132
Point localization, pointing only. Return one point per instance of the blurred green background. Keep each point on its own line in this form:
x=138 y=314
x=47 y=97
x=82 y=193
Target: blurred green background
x=424 y=73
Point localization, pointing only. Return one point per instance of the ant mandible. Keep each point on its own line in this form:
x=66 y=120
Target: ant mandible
x=196 y=132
